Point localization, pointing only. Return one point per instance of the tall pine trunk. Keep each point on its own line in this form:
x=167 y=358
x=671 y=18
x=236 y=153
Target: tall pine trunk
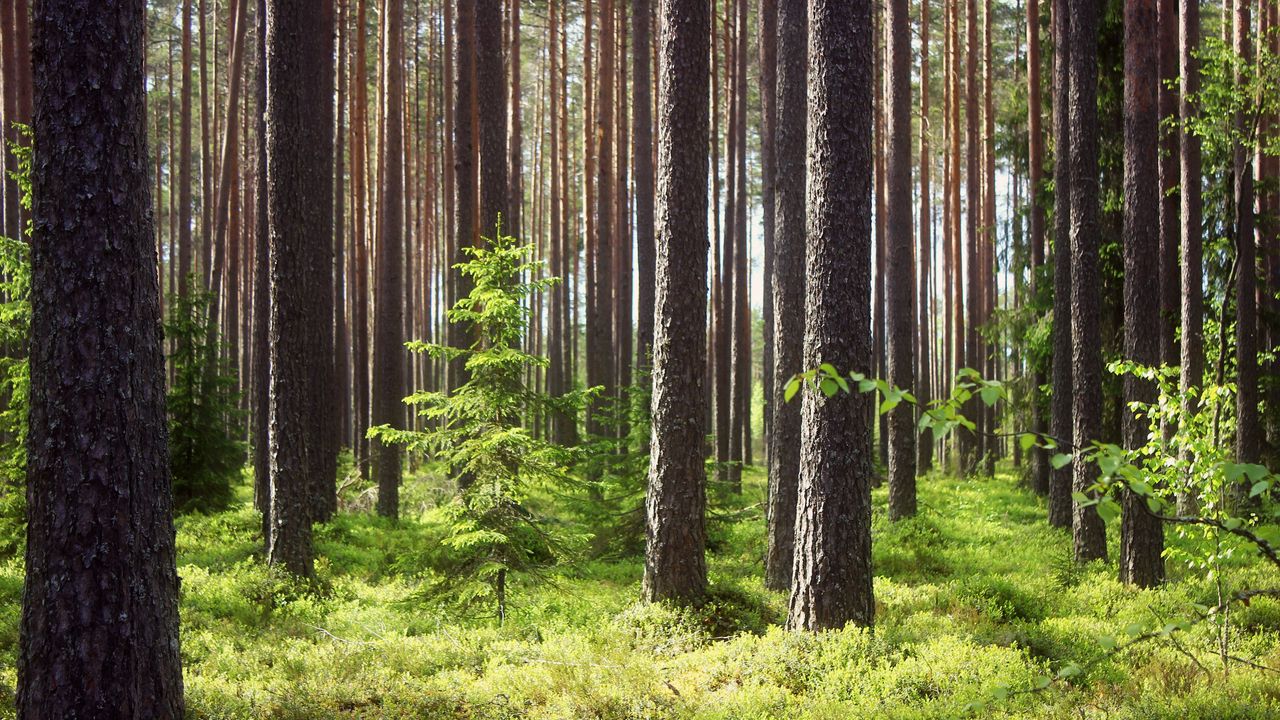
x=1141 y=536
x=675 y=564
x=788 y=289
x=99 y=627
x=831 y=582
x=1060 y=425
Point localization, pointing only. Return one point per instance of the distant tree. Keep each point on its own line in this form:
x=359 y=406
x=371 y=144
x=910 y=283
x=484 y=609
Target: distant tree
x=1248 y=427
x=675 y=566
x=99 y=628
x=1035 y=159
x=831 y=583
x=1192 y=244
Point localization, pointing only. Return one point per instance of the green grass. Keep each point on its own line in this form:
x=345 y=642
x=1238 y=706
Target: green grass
x=976 y=593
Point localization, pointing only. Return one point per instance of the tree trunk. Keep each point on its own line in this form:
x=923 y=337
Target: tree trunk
x=15 y=41
x=900 y=275
x=1248 y=429
x=299 y=133
x=1191 y=376
x=1167 y=39
x=388 y=280
x=768 y=18
x=1141 y=535
x=971 y=441
x=1089 y=532
x=1060 y=421
x=675 y=564
x=788 y=288
x=642 y=144
x=491 y=89
x=1035 y=150
x=831 y=583
x=924 y=390
x=99 y=628
x=261 y=385
x=465 y=177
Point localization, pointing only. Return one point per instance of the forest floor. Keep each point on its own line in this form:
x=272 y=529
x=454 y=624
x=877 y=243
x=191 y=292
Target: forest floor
x=977 y=602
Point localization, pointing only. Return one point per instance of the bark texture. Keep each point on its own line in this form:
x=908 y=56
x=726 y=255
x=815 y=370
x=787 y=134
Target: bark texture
x=788 y=287
x=1088 y=530
x=675 y=563
x=900 y=265
x=99 y=628
x=831 y=583
x=1060 y=425
x=1141 y=535
x=299 y=45
x=1192 y=349
x=388 y=275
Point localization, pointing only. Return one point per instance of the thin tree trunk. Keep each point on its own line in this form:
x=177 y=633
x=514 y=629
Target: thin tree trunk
x=788 y=287
x=1089 y=533
x=642 y=153
x=768 y=18
x=924 y=389
x=1248 y=429
x=1060 y=421
x=388 y=280
x=1035 y=147
x=900 y=279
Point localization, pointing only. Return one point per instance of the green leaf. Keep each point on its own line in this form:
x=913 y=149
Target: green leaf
x=1060 y=461
x=1068 y=671
x=888 y=405
x=1108 y=510
x=828 y=387
x=1255 y=472
x=844 y=384
x=866 y=386
x=1259 y=487
x=1133 y=630
x=990 y=394
x=1043 y=682
x=1107 y=642
x=1027 y=441
x=1232 y=523
x=793 y=387
x=828 y=368
x=1081 y=499
x=1001 y=693
x=1140 y=488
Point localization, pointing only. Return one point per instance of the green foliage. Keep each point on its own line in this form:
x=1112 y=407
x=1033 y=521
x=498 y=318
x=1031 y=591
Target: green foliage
x=475 y=431
x=15 y=328
x=206 y=453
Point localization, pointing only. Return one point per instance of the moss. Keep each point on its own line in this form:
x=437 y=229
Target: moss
x=974 y=598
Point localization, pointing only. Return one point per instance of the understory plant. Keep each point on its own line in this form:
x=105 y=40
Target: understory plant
x=492 y=525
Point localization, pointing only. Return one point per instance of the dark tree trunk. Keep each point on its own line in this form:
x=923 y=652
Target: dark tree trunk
x=17 y=87
x=491 y=89
x=675 y=565
x=600 y=360
x=924 y=391
x=1035 y=149
x=1089 y=532
x=299 y=160
x=515 y=147
x=1141 y=535
x=788 y=289
x=740 y=348
x=341 y=414
x=831 y=584
x=466 y=179
x=99 y=628
x=900 y=276
x=1060 y=425
x=642 y=144
x=1167 y=38
x=768 y=199
x=184 y=157
x=261 y=299
x=1192 y=348
x=388 y=280
x=971 y=441
x=1248 y=429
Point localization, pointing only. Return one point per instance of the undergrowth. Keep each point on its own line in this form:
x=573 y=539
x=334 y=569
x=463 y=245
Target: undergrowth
x=975 y=593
